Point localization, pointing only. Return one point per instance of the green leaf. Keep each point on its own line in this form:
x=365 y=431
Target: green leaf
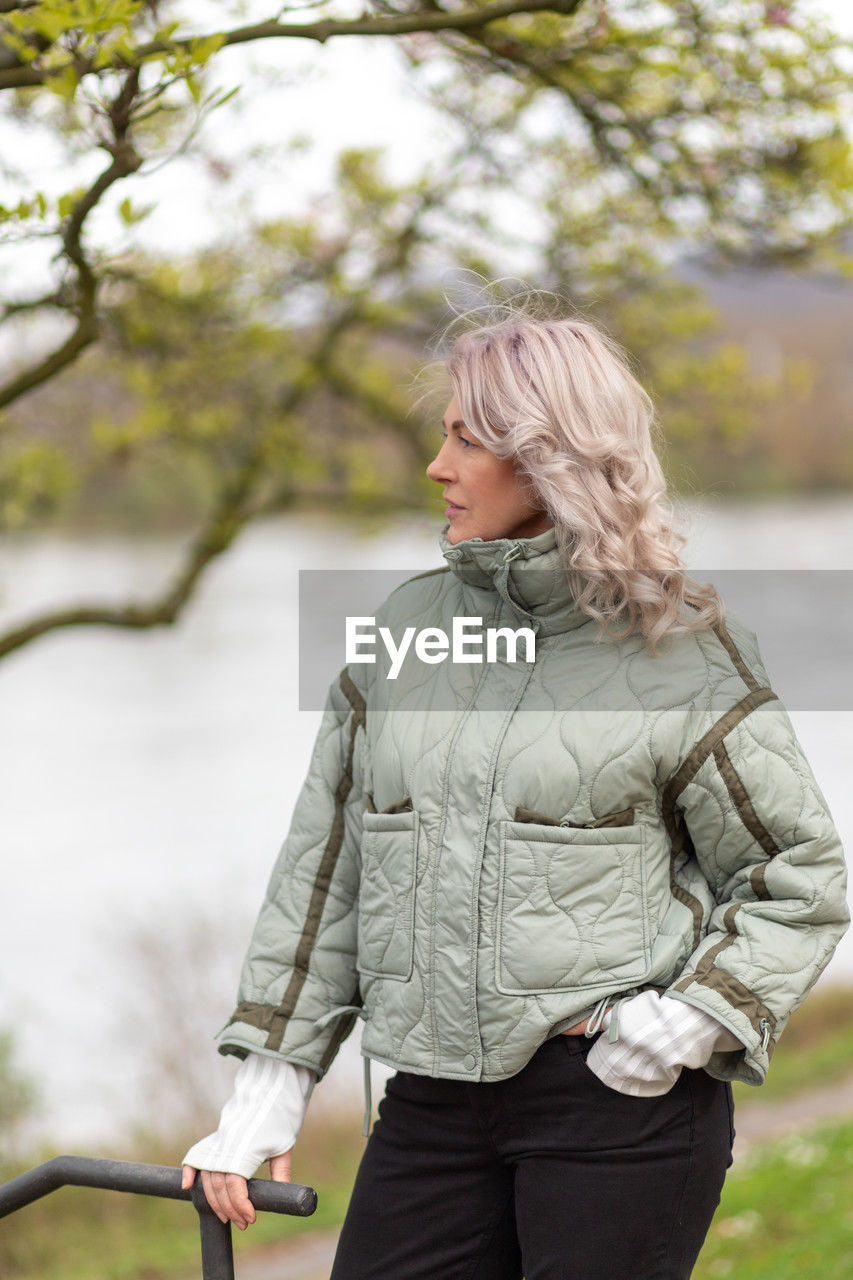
x=204 y=47
x=63 y=83
x=103 y=56
x=226 y=95
x=50 y=25
x=131 y=214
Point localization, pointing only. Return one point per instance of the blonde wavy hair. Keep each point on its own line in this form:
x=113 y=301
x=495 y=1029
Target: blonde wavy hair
x=556 y=394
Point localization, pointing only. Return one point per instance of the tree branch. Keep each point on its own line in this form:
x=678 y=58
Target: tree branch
x=233 y=511
x=85 y=333
x=330 y=498
x=125 y=161
x=239 y=501
x=166 y=611
x=380 y=409
x=215 y=538
x=57 y=298
x=21 y=77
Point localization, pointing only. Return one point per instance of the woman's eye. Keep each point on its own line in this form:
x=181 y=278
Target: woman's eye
x=469 y=444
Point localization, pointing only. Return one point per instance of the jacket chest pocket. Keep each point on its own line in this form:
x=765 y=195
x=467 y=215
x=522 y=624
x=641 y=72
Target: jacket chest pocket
x=571 y=909
x=386 y=896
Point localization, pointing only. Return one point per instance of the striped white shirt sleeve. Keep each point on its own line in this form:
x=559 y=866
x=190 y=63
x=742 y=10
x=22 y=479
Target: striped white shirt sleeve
x=262 y=1118
x=657 y=1037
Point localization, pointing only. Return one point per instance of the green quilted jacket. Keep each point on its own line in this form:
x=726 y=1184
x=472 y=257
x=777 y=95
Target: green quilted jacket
x=483 y=854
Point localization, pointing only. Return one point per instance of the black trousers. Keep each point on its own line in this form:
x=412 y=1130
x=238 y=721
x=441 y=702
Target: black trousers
x=549 y=1175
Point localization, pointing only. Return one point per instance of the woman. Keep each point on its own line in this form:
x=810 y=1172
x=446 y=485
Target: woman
x=574 y=888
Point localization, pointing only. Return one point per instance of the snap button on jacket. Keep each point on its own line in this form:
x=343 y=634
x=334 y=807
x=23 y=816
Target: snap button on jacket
x=483 y=852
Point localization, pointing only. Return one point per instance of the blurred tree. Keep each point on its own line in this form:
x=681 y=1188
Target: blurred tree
x=180 y=966
x=18 y=1098
x=599 y=141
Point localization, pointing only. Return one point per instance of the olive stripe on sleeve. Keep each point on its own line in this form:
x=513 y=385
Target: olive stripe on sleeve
x=328 y=862
x=706 y=746
x=267 y=1017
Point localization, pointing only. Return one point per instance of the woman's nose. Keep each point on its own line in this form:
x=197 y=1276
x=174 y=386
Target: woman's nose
x=439 y=470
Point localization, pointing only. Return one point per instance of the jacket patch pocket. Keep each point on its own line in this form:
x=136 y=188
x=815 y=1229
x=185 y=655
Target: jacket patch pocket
x=386 y=896
x=571 y=909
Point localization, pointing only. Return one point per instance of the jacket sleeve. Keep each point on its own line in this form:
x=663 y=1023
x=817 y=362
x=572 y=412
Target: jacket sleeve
x=301 y=961
x=749 y=809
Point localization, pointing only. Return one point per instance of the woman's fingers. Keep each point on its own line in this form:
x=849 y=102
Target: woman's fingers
x=212 y=1194
x=280 y=1167
x=238 y=1194
x=227 y=1193
x=228 y=1198
x=579 y=1027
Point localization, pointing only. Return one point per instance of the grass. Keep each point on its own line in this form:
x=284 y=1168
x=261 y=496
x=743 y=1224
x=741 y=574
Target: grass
x=786 y=1213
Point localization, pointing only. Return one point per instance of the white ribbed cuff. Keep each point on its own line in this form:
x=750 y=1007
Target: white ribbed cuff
x=657 y=1037
x=262 y=1118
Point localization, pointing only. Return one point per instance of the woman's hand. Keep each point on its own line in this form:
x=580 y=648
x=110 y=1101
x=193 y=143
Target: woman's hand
x=580 y=1027
x=226 y=1192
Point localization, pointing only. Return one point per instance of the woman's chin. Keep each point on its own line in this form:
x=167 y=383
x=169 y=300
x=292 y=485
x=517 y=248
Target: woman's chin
x=463 y=527
x=455 y=531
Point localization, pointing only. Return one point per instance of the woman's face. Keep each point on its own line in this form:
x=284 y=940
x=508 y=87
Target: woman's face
x=484 y=494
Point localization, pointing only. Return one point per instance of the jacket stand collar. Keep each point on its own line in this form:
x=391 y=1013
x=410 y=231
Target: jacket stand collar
x=526 y=572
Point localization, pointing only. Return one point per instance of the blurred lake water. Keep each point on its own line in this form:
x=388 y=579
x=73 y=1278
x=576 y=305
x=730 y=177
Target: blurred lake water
x=147 y=780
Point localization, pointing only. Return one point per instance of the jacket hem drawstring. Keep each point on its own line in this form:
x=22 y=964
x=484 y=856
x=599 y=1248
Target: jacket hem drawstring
x=368 y=1095
x=594 y=1023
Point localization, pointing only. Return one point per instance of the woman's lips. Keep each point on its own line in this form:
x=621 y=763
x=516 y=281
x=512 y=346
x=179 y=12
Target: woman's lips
x=452 y=511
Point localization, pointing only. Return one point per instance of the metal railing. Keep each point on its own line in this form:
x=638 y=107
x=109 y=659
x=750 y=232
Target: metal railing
x=217 y=1257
